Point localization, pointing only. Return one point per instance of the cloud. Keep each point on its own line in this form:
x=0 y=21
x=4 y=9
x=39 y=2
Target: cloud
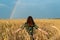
x=3 y=5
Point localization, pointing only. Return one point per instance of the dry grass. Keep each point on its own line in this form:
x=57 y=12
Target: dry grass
x=7 y=27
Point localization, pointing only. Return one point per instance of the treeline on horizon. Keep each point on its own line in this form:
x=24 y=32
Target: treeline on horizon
x=34 y=18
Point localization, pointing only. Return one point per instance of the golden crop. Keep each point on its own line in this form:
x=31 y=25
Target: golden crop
x=51 y=26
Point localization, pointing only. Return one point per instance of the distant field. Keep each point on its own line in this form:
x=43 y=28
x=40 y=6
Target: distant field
x=52 y=26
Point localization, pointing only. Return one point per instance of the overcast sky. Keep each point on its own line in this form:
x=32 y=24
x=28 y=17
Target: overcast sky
x=25 y=8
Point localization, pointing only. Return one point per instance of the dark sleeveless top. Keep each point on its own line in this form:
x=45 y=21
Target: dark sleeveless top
x=30 y=29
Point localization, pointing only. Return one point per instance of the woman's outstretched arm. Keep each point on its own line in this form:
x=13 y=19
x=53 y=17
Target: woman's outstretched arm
x=43 y=31
x=36 y=27
x=19 y=29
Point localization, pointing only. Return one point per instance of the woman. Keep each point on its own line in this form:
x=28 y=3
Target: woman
x=30 y=26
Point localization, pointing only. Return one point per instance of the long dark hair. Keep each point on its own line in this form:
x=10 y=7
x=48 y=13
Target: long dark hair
x=30 y=19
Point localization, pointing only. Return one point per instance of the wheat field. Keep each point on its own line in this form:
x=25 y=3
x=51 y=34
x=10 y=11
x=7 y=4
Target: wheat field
x=51 y=26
